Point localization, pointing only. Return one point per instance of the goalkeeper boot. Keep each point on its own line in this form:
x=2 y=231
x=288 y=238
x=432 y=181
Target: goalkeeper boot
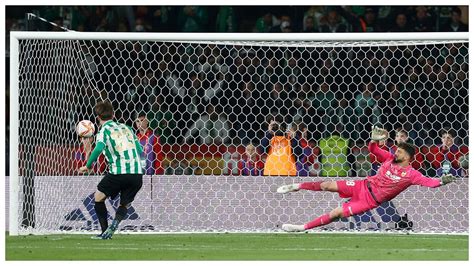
x=292 y=228
x=110 y=231
x=288 y=188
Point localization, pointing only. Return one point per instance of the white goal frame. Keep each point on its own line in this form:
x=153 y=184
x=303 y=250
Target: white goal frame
x=15 y=37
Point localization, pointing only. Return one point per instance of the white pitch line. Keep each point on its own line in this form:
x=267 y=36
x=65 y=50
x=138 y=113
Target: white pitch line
x=201 y=248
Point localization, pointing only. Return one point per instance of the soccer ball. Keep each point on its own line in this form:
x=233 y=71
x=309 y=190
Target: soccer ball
x=85 y=128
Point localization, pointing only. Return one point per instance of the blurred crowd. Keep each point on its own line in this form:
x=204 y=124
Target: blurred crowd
x=212 y=94
x=242 y=18
x=209 y=94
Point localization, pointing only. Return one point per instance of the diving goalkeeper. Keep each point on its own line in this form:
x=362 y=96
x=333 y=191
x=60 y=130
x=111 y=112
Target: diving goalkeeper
x=394 y=176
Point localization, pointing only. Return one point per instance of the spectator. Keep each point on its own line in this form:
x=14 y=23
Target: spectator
x=163 y=19
x=141 y=25
x=344 y=115
x=369 y=22
x=464 y=163
x=226 y=19
x=278 y=98
x=266 y=22
x=310 y=25
x=211 y=128
x=401 y=24
x=305 y=160
x=444 y=158
x=193 y=19
x=334 y=153
x=361 y=23
x=333 y=23
x=423 y=20
x=455 y=24
x=246 y=125
x=81 y=156
x=152 y=155
x=280 y=149
x=285 y=25
x=251 y=164
x=323 y=103
x=162 y=121
x=365 y=109
x=316 y=13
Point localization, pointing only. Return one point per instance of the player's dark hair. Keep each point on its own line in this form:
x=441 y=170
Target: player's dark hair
x=408 y=147
x=104 y=110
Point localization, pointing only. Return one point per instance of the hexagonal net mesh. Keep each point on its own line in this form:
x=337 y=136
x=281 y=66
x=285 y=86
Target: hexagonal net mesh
x=221 y=115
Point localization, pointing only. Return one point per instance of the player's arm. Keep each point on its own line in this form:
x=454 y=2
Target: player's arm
x=381 y=154
x=418 y=179
x=138 y=146
x=99 y=147
x=377 y=135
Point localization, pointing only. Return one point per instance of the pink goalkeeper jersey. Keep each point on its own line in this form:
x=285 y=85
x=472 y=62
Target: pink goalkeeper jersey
x=391 y=179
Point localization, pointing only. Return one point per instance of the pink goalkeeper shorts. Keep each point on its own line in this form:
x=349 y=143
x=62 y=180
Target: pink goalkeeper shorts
x=361 y=199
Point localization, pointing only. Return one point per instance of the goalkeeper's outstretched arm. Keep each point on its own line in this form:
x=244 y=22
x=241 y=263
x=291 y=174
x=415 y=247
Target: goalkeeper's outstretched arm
x=419 y=179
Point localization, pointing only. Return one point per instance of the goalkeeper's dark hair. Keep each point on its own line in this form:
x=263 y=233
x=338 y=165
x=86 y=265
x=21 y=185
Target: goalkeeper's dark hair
x=409 y=148
x=104 y=110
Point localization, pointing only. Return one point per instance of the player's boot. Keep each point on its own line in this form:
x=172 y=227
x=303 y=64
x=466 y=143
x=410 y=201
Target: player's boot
x=288 y=188
x=110 y=231
x=96 y=237
x=292 y=228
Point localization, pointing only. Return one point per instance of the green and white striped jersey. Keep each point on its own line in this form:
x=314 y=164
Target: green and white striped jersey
x=122 y=149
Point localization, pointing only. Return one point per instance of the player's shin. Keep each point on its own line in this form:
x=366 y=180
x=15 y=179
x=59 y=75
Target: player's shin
x=315 y=186
x=119 y=216
x=101 y=211
x=121 y=213
x=320 y=221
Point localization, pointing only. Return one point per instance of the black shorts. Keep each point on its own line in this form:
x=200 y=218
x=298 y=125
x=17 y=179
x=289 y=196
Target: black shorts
x=127 y=185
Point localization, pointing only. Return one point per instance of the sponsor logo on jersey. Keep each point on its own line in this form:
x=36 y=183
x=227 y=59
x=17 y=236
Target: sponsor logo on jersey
x=394 y=178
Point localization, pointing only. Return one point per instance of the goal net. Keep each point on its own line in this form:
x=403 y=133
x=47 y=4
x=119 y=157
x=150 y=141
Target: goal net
x=209 y=105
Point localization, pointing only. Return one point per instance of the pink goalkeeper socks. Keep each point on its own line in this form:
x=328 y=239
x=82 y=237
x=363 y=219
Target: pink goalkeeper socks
x=321 y=220
x=316 y=186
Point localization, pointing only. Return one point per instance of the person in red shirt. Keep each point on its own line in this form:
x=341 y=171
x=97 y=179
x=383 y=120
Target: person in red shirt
x=251 y=164
x=81 y=155
x=393 y=177
x=152 y=155
x=444 y=158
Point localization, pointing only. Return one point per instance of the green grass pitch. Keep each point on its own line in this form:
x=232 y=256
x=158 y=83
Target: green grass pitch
x=313 y=246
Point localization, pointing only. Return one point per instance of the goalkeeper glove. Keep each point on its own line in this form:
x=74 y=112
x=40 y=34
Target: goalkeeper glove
x=378 y=134
x=447 y=178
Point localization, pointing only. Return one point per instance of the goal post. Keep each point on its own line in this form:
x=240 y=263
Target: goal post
x=57 y=77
